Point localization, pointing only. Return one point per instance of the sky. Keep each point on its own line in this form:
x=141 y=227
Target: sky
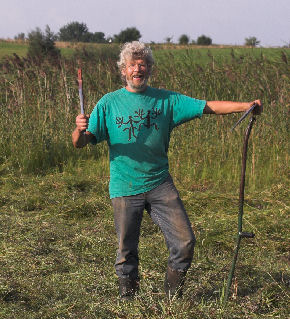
x=226 y=22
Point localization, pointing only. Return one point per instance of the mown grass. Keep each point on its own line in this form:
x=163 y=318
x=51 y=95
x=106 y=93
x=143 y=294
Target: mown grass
x=57 y=235
x=58 y=249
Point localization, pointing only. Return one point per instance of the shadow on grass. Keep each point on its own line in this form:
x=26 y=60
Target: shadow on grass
x=247 y=283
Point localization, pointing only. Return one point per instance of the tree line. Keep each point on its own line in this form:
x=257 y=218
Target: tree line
x=79 y=32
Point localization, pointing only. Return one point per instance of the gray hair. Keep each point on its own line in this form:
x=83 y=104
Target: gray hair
x=135 y=50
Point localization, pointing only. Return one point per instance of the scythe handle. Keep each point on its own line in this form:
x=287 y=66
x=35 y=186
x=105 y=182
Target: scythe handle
x=80 y=81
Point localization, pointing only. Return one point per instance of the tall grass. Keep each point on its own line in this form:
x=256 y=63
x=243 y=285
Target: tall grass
x=39 y=103
x=208 y=151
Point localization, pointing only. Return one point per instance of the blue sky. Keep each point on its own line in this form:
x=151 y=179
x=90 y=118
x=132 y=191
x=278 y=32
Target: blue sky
x=225 y=21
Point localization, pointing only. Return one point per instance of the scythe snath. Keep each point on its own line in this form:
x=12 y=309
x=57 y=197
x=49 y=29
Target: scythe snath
x=241 y=234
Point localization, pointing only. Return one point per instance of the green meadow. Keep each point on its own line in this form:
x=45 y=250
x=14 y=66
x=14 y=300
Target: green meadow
x=58 y=244
x=9 y=47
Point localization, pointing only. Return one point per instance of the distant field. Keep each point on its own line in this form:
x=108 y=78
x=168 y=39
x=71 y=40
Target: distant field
x=200 y=53
x=20 y=48
x=222 y=54
x=10 y=47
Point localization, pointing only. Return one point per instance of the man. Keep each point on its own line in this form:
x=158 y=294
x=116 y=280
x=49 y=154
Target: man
x=136 y=121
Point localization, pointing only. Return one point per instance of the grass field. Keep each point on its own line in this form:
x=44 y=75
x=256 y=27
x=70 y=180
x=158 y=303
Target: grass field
x=9 y=47
x=57 y=240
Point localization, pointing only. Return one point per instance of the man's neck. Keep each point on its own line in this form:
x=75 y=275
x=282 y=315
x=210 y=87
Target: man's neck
x=134 y=90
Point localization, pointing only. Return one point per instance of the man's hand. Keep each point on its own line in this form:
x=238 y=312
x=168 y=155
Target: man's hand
x=81 y=137
x=82 y=122
x=259 y=107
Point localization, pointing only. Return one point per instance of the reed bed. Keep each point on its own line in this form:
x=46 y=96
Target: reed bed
x=39 y=102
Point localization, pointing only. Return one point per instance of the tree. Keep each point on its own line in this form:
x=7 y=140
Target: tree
x=20 y=36
x=183 y=39
x=204 y=40
x=74 y=32
x=79 y=32
x=252 y=41
x=127 y=35
x=168 y=39
x=41 y=44
x=98 y=37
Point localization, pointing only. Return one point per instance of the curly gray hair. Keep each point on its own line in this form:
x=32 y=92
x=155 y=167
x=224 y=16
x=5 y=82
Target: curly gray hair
x=135 y=50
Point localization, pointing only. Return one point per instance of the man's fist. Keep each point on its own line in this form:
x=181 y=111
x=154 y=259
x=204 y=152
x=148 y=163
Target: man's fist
x=82 y=122
x=259 y=107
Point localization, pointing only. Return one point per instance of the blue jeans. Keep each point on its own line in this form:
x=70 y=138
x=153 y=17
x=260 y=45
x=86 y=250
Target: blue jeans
x=167 y=211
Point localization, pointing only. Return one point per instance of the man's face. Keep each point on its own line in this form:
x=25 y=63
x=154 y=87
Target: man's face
x=136 y=72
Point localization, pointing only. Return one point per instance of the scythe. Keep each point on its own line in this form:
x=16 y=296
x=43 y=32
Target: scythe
x=241 y=234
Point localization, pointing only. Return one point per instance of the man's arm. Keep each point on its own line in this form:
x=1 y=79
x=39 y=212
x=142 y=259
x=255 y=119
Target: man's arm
x=81 y=137
x=227 y=107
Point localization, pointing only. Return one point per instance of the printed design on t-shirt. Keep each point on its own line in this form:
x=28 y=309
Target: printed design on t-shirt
x=138 y=120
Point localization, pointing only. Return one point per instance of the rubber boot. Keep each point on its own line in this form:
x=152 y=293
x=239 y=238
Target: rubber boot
x=128 y=288
x=173 y=284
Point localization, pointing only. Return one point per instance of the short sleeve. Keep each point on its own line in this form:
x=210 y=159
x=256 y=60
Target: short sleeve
x=186 y=108
x=97 y=124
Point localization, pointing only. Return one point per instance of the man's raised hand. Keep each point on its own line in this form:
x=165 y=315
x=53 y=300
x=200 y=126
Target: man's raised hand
x=82 y=122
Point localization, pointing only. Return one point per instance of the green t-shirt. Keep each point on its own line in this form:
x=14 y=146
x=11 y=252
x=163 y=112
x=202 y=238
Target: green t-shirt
x=137 y=128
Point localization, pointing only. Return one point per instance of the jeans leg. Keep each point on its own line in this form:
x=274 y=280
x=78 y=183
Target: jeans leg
x=128 y=213
x=167 y=211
